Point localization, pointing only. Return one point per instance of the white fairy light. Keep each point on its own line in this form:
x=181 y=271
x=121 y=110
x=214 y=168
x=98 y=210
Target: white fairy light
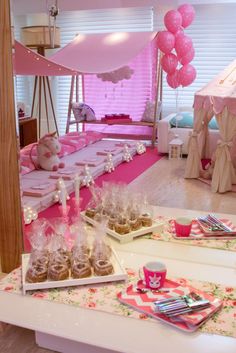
x=58 y=195
x=140 y=148
x=109 y=166
x=29 y=214
x=87 y=177
x=126 y=154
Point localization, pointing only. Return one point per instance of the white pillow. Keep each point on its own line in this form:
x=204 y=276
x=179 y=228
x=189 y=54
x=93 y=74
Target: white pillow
x=77 y=111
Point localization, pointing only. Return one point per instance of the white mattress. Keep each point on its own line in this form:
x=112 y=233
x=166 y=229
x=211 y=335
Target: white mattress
x=40 y=176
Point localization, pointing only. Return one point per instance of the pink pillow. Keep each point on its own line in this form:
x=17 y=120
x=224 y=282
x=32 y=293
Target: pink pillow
x=74 y=133
x=27 y=150
x=26 y=164
x=65 y=150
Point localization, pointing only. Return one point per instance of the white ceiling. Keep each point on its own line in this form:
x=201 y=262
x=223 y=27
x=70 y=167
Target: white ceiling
x=20 y=7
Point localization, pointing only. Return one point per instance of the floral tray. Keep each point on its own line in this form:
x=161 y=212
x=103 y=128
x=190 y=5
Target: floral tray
x=118 y=275
x=156 y=227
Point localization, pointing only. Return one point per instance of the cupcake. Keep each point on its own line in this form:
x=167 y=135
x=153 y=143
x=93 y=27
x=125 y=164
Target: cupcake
x=122 y=226
x=146 y=220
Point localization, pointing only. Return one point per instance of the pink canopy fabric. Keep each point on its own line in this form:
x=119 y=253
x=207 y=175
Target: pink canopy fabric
x=128 y=96
x=217 y=98
x=99 y=53
x=219 y=93
x=28 y=62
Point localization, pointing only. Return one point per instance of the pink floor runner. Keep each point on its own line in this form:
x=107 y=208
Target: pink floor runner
x=123 y=173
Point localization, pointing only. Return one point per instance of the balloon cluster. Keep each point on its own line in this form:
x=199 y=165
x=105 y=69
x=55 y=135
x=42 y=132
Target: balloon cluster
x=175 y=39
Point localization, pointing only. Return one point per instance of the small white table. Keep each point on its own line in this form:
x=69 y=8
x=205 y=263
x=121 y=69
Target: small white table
x=175 y=148
x=68 y=329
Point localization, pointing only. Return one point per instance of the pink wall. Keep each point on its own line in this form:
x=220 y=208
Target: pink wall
x=127 y=96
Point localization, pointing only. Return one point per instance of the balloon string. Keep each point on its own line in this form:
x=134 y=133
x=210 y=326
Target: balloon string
x=176 y=106
x=177 y=100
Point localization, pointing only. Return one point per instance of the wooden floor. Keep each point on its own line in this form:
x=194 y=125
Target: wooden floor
x=165 y=186
x=18 y=340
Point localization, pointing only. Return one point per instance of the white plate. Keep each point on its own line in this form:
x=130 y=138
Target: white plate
x=156 y=227
x=118 y=275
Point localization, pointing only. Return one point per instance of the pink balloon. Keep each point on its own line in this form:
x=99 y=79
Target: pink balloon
x=179 y=33
x=182 y=45
x=173 y=79
x=188 y=14
x=169 y=63
x=186 y=59
x=165 y=41
x=187 y=75
x=173 y=20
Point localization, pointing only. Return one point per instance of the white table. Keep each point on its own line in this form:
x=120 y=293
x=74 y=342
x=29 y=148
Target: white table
x=69 y=329
x=223 y=258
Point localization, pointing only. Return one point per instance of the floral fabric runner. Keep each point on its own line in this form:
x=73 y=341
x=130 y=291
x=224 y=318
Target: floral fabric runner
x=103 y=297
x=166 y=235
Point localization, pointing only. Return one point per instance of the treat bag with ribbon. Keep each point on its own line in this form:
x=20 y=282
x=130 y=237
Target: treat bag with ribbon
x=59 y=253
x=39 y=257
x=146 y=214
x=61 y=228
x=100 y=249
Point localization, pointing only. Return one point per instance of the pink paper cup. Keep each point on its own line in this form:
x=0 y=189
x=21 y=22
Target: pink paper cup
x=154 y=274
x=183 y=227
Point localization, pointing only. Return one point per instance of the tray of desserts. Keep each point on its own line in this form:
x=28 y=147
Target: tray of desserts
x=126 y=230
x=45 y=271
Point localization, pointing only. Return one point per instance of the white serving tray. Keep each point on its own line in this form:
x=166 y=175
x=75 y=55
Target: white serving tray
x=118 y=275
x=125 y=238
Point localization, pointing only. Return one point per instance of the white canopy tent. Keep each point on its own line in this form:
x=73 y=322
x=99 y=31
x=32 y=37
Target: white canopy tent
x=217 y=98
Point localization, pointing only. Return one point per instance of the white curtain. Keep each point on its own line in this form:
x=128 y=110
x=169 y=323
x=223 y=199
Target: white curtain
x=203 y=138
x=193 y=164
x=224 y=173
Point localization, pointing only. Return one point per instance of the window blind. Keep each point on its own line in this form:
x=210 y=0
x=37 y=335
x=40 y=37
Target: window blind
x=214 y=38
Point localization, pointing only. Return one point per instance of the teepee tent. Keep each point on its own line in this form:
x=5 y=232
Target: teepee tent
x=217 y=98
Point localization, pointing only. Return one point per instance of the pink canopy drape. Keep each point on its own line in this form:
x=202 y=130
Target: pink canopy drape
x=28 y=62
x=217 y=98
x=126 y=96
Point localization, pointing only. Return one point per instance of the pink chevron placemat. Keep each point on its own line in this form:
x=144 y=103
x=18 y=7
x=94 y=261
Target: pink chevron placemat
x=143 y=302
x=197 y=233
x=167 y=235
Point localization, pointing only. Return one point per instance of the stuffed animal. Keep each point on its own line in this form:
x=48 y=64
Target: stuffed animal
x=83 y=112
x=209 y=168
x=47 y=152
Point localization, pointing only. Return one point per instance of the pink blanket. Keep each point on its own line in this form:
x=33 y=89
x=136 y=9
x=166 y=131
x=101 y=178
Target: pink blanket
x=71 y=142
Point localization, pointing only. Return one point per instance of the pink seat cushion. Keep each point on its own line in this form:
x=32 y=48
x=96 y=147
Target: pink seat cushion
x=71 y=142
